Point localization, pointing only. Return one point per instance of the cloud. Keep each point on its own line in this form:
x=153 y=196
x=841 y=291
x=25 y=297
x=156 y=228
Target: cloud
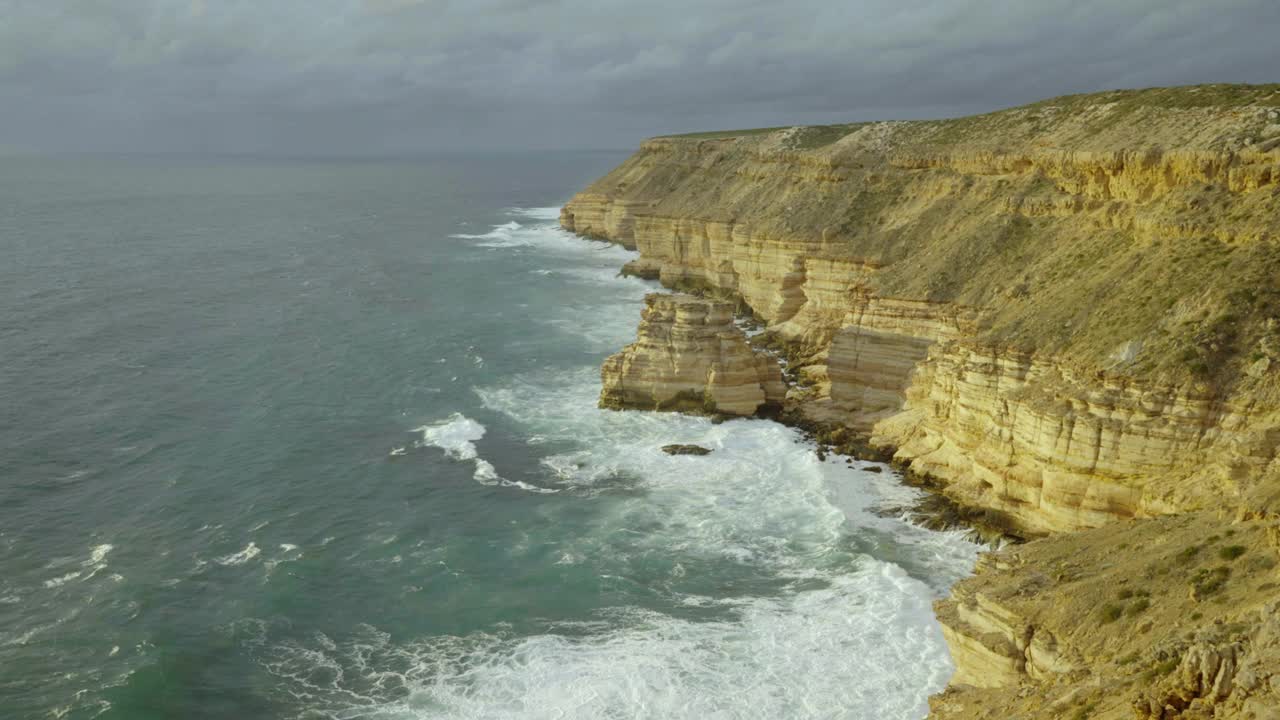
x=390 y=75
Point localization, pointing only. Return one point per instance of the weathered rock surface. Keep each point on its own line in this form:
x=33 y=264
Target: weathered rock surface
x=1064 y=313
x=1103 y=624
x=689 y=356
x=1065 y=316
x=685 y=450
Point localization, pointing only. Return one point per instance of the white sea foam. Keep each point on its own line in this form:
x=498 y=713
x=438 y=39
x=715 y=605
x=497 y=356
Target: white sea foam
x=288 y=553
x=99 y=553
x=457 y=436
x=529 y=488
x=247 y=553
x=610 y=305
x=542 y=213
x=846 y=630
x=63 y=580
x=862 y=647
x=498 y=232
x=485 y=473
x=95 y=563
x=30 y=632
x=545 y=236
x=25 y=637
x=850 y=636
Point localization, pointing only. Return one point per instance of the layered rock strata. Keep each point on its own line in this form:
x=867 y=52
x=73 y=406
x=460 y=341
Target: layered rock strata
x=1066 y=317
x=1064 y=313
x=690 y=356
x=1176 y=617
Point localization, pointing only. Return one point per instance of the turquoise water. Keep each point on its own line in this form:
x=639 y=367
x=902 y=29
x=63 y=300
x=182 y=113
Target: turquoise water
x=318 y=440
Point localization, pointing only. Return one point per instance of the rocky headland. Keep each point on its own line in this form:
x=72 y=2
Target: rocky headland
x=1064 y=317
x=690 y=356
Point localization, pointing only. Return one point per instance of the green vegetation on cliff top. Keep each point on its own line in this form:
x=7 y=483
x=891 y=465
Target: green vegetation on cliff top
x=1222 y=95
x=1111 y=228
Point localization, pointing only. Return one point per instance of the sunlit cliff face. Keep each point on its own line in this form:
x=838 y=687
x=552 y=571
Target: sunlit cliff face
x=1063 y=317
x=1063 y=311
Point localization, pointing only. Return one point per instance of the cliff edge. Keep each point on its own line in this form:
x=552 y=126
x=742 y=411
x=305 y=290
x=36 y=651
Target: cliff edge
x=1065 y=315
x=689 y=356
x=1065 y=312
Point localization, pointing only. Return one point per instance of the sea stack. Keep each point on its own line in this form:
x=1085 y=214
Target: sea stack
x=690 y=357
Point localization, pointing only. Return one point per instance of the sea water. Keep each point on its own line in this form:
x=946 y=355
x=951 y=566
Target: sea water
x=318 y=439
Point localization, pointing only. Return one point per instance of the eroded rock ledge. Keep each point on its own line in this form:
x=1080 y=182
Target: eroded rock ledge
x=1065 y=313
x=1065 y=317
x=689 y=356
x=1175 y=617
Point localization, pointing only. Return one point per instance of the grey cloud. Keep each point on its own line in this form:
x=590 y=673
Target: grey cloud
x=354 y=76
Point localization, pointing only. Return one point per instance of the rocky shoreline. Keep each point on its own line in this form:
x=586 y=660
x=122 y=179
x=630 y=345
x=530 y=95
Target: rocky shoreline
x=1063 y=320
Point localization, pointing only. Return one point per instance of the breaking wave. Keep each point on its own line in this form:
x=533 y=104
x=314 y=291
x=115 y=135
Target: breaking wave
x=777 y=588
x=456 y=436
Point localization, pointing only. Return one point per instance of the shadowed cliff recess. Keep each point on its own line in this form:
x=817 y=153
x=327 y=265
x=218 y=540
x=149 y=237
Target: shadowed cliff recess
x=1065 y=315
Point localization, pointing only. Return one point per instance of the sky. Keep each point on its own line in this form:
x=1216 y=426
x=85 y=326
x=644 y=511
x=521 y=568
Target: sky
x=378 y=77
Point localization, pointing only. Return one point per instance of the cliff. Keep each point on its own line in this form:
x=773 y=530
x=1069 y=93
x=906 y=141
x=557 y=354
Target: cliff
x=689 y=356
x=1065 y=316
x=1064 y=312
x=1175 y=617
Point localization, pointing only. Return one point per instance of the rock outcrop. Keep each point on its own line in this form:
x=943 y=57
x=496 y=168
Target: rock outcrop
x=685 y=449
x=1064 y=313
x=689 y=356
x=1176 y=617
x=1065 y=317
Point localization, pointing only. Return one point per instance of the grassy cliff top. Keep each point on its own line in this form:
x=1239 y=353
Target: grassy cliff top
x=1136 y=231
x=1218 y=96
x=1125 y=604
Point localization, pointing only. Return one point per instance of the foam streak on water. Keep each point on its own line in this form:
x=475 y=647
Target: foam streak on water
x=812 y=604
x=457 y=436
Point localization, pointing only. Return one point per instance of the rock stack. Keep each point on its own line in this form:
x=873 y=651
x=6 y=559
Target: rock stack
x=690 y=357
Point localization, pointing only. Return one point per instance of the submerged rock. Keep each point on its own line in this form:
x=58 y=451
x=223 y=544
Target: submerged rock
x=685 y=450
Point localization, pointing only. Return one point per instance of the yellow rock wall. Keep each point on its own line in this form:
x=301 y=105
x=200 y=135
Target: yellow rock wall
x=1056 y=452
x=1065 y=314
x=689 y=356
x=1016 y=303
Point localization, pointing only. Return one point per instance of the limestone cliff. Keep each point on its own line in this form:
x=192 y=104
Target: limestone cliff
x=1176 y=617
x=1065 y=312
x=1065 y=316
x=690 y=356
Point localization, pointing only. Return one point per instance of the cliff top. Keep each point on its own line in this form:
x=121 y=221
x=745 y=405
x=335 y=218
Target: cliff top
x=1122 y=614
x=1117 y=105
x=1136 y=232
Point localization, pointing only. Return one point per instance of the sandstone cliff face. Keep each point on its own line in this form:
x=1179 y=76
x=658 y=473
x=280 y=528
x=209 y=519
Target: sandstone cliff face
x=1177 y=617
x=1065 y=313
x=1056 y=451
x=689 y=356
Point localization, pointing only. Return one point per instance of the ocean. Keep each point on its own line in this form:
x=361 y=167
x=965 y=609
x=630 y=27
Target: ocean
x=317 y=439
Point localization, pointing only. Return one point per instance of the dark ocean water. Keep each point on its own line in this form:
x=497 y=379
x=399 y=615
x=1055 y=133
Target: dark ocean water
x=318 y=440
